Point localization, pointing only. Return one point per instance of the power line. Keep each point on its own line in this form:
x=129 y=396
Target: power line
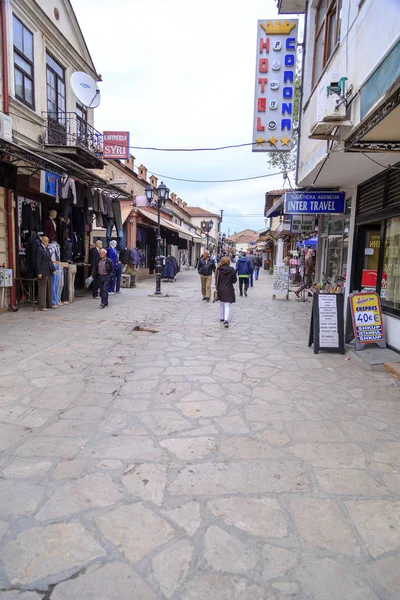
x=216 y=180
x=192 y=149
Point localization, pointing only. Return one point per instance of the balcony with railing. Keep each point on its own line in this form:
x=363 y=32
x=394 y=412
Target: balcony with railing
x=67 y=134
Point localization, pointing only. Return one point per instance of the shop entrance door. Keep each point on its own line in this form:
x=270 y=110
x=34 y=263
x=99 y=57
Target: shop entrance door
x=369 y=247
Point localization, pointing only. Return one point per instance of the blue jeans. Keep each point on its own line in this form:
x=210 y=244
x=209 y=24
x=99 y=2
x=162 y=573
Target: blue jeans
x=251 y=280
x=120 y=235
x=54 y=285
x=118 y=277
x=257 y=272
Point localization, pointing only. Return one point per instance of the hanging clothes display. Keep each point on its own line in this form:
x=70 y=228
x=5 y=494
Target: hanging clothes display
x=170 y=269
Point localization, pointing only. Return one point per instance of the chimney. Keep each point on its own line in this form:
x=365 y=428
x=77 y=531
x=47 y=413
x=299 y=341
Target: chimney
x=130 y=163
x=142 y=172
x=153 y=181
x=179 y=201
x=173 y=197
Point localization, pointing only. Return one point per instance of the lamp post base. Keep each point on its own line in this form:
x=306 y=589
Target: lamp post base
x=160 y=295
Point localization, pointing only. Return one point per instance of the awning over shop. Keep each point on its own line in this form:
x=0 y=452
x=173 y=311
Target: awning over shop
x=125 y=212
x=152 y=217
x=277 y=208
x=85 y=176
x=21 y=154
x=183 y=233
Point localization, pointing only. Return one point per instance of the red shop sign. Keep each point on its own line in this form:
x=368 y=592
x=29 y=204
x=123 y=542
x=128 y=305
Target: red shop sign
x=116 y=144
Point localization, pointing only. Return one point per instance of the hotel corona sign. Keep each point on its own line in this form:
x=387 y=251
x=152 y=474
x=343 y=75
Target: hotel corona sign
x=275 y=82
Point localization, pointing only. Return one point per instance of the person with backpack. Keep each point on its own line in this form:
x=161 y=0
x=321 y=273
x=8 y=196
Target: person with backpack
x=252 y=258
x=244 y=271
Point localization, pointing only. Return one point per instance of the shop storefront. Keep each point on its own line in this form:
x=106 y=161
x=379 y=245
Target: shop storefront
x=334 y=244
x=64 y=209
x=377 y=246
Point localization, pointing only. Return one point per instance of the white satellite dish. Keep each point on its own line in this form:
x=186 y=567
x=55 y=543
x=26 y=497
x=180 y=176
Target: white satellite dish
x=85 y=89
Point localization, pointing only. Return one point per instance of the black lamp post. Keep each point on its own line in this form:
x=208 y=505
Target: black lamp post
x=206 y=227
x=162 y=197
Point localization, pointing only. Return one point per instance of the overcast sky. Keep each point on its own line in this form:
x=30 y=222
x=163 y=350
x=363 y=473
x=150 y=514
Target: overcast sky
x=181 y=74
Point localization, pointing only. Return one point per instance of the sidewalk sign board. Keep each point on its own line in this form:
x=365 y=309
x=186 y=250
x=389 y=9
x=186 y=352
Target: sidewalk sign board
x=280 y=282
x=366 y=316
x=327 y=323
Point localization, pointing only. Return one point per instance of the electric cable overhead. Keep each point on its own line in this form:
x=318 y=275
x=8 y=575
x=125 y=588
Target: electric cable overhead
x=192 y=149
x=216 y=180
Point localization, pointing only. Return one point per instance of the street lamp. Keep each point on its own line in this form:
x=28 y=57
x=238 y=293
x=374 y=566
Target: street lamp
x=162 y=197
x=206 y=227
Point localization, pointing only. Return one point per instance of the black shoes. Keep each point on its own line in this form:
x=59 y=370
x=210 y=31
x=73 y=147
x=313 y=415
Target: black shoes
x=204 y=298
x=221 y=321
x=245 y=292
x=226 y=324
x=102 y=305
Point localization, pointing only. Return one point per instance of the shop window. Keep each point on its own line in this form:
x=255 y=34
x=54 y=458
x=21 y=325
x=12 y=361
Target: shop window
x=327 y=30
x=390 y=283
x=55 y=88
x=23 y=63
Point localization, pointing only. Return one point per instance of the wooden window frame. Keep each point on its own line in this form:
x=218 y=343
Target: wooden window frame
x=31 y=77
x=330 y=8
x=58 y=79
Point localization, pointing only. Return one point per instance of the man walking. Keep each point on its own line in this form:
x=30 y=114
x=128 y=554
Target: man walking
x=257 y=267
x=103 y=272
x=94 y=257
x=44 y=271
x=252 y=259
x=308 y=273
x=205 y=268
x=244 y=270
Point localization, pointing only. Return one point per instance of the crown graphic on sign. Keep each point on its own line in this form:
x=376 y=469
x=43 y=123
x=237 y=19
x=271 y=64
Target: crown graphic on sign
x=277 y=27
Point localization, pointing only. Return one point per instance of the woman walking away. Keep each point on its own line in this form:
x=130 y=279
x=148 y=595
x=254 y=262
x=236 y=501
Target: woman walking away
x=225 y=279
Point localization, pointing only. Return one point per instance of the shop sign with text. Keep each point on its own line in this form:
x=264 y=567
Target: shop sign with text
x=306 y=203
x=275 y=83
x=116 y=144
x=302 y=224
x=367 y=319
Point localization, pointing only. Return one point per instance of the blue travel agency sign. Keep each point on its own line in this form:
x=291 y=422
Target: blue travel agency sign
x=307 y=203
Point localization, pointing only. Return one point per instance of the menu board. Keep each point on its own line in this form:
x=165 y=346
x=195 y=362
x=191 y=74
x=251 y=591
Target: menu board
x=280 y=283
x=367 y=319
x=327 y=323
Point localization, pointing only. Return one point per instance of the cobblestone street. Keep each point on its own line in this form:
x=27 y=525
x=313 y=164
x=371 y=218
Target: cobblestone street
x=195 y=462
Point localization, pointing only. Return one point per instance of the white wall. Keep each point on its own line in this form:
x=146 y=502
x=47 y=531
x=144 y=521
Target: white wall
x=392 y=331
x=63 y=40
x=366 y=35
x=214 y=231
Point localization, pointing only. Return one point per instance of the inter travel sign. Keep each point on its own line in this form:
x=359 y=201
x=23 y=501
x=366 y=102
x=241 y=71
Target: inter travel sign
x=306 y=203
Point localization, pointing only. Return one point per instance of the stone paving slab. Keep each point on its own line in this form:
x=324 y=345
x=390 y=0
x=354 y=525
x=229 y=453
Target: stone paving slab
x=195 y=463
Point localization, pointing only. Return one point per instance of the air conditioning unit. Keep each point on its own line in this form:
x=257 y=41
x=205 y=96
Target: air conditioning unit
x=331 y=105
x=5 y=127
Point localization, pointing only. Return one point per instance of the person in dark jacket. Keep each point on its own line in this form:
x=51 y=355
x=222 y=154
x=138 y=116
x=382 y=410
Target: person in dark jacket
x=244 y=270
x=104 y=272
x=44 y=272
x=252 y=258
x=225 y=278
x=257 y=266
x=94 y=257
x=205 y=268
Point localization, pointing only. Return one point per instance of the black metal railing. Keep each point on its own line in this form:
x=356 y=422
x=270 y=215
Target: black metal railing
x=68 y=129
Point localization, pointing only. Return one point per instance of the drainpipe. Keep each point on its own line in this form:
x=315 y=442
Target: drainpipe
x=303 y=60
x=6 y=110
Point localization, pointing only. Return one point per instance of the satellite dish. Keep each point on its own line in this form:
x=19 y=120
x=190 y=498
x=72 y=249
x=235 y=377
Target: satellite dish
x=85 y=89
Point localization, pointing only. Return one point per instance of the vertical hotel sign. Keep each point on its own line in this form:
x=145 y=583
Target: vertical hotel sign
x=275 y=82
